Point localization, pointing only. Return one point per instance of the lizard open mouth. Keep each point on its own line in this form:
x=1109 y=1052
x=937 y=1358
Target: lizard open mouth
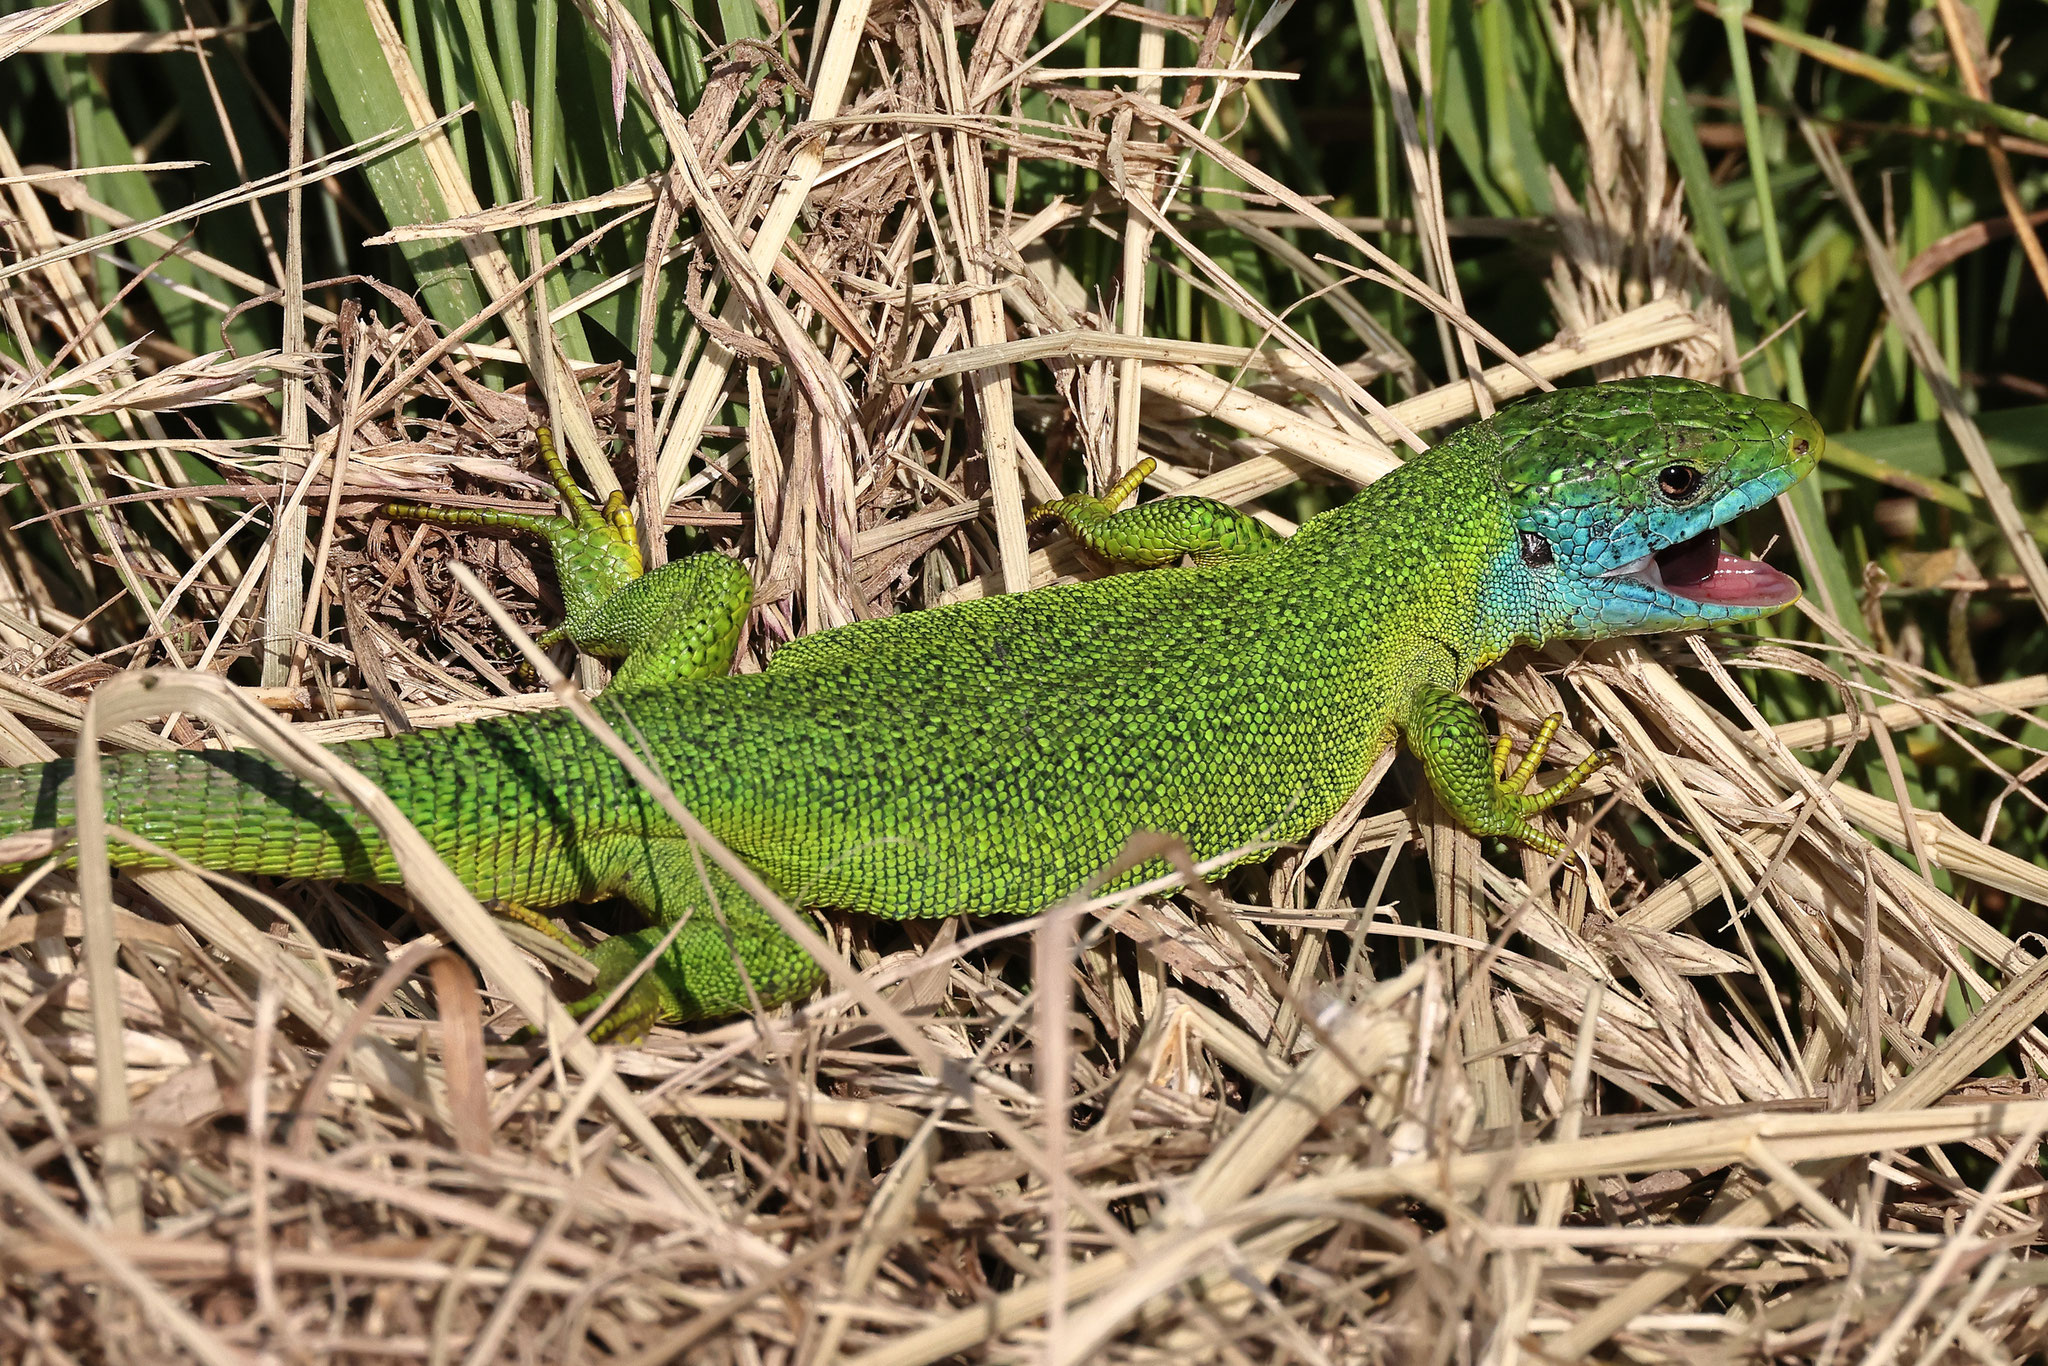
x=1698 y=570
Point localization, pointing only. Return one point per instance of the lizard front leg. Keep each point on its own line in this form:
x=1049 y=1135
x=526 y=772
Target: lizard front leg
x=1470 y=776
x=1160 y=532
x=680 y=622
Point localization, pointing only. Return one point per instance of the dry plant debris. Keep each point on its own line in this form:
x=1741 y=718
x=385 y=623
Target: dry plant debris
x=1335 y=1109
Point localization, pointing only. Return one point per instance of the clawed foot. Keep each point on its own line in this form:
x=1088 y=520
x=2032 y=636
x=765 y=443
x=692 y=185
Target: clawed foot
x=682 y=621
x=645 y=1003
x=1522 y=804
x=1092 y=509
x=636 y=1013
x=596 y=550
x=1158 y=533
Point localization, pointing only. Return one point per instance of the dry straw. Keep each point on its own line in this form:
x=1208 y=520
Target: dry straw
x=1713 y=1111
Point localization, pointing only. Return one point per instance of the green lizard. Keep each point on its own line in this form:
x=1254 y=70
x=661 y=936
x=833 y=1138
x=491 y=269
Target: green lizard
x=988 y=757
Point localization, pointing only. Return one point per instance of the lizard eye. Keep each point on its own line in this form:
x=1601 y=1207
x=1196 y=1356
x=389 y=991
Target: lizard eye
x=1536 y=551
x=1678 y=482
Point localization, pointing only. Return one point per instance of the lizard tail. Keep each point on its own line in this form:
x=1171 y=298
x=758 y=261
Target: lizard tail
x=223 y=809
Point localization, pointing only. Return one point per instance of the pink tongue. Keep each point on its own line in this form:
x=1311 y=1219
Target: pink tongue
x=1736 y=582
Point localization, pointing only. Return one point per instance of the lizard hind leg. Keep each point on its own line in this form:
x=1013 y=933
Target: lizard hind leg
x=680 y=622
x=729 y=956
x=595 y=552
x=683 y=621
x=1160 y=532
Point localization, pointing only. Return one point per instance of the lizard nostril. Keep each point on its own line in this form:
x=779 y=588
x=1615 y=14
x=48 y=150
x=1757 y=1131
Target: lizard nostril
x=1800 y=447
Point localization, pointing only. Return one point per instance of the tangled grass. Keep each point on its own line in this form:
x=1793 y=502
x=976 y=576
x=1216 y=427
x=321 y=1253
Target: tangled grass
x=1766 y=1085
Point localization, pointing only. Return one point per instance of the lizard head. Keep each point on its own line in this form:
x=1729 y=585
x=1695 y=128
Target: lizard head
x=1616 y=494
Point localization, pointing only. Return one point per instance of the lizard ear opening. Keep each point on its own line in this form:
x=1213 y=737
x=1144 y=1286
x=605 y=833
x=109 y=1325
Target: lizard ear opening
x=1536 y=552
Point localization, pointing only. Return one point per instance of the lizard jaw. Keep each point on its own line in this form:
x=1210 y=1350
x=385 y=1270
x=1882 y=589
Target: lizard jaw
x=1697 y=570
